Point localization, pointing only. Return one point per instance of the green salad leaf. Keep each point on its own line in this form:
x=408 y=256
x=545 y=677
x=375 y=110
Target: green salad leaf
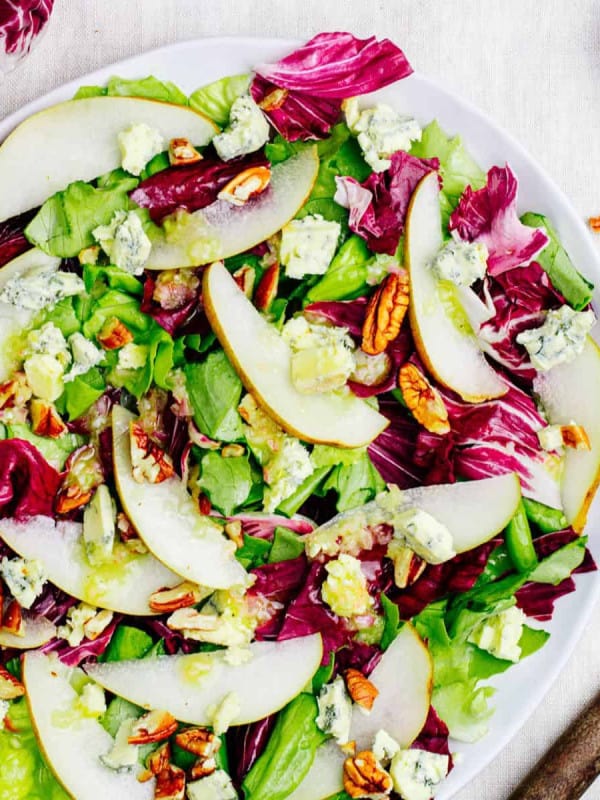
x=55 y=451
x=226 y=481
x=215 y=99
x=215 y=391
x=150 y=88
x=355 y=484
x=346 y=276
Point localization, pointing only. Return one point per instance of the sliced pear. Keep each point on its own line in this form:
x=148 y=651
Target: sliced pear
x=262 y=360
x=440 y=328
x=190 y=687
x=77 y=140
x=221 y=229
x=404 y=679
x=72 y=749
x=169 y=522
x=473 y=511
x=35 y=631
x=571 y=392
x=123 y=584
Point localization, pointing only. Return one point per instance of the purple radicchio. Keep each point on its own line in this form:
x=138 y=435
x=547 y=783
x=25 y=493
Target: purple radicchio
x=381 y=221
x=12 y=234
x=21 y=23
x=87 y=650
x=434 y=736
x=28 y=484
x=489 y=216
x=302 y=93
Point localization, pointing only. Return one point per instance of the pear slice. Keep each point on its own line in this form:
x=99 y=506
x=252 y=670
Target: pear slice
x=404 y=679
x=446 y=345
x=222 y=230
x=190 y=687
x=35 y=631
x=124 y=584
x=571 y=392
x=169 y=523
x=262 y=359
x=473 y=511
x=72 y=749
x=77 y=140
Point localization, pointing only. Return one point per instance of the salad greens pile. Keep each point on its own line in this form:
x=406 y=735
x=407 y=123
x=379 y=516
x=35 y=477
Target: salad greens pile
x=327 y=545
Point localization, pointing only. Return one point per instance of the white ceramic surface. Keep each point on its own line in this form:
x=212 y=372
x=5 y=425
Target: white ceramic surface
x=192 y=64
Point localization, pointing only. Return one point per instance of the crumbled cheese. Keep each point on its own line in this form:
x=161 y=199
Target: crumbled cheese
x=125 y=242
x=264 y=436
x=217 y=786
x=4 y=706
x=379 y=267
x=560 y=339
x=24 y=577
x=248 y=130
x=122 y=755
x=348 y=533
x=225 y=619
x=335 y=710
x=40 y=287
x=85 y=356
x=381 y=131
x=345 y=587
x=322 y=355
x=132 y=356
x=284 y=473
x=45 y=376
x=417 y=774
x=500 y=634
x=462 y=263
x=226 y=713
x=550 y=438
x=385 y=747
x=91 y=702
x=49 y=340
x=139 y=144
x=424 y=534
x=77 y=617
x=308 y=245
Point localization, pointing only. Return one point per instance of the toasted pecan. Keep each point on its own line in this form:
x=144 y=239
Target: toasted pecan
x=385 y=312
x=423 y=399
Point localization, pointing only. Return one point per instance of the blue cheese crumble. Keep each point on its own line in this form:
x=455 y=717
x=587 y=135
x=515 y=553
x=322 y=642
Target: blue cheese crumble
x=133 y=356
x=308 y=245
x=49 y=340
x=345 y=588
x=417 y=774
x=560 y=339
x=139 y=144
x=125 y=242
x=85 y=356
x=285 y=471
x=380 y=131
x=322 y=355
x=40 y=287
x=462 y=263
x=45 y=375
x=217 y=786
x=335 y=711
x=500 y=634
x=25 y=579
x=247 y=132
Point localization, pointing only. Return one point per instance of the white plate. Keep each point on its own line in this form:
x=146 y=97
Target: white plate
x=193 y=64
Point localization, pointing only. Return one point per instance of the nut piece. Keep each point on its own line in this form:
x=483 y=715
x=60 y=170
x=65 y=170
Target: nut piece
x=181 y=596
x=245 y=277
x=45 y=419
x=14 y=394
x=233 y=451
x=160 y=759
x=408 y=566
x=274 y=100
x=12 y=618
x=385 y=312
x=97 y=624
x=149 y=462
x=199 y=741
x=153 y=727
x=174 y=288
x=84 y=474
x=89 y=255
x=365 y=777
x=10 y=687
x=595 y=224
x=170 y=784
x=233 y=530
x=423 y=400
x=575 y=436
x=182 y=151
x=266 y=291
x=114 y=334
x=360 y=689
x=203 y=768
x=188 y=619
x=246 y=185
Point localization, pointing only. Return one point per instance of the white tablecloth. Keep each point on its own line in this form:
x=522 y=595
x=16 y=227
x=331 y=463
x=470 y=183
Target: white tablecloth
x=533 y=66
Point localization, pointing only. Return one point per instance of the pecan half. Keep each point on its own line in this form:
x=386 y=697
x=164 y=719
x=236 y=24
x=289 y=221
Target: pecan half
x=170 y=784
x=183 y=595
x=360 y=689
x=245 y=277
x=97 y=624
x=155 y=726
x=188 y=619
x=385 y=312
x=114 y=334
x=84 y=474
x=246 y=185
x=203 y=768
x=423 y=399
x=10 y=687
x=365 y=777
x=595 y=224
x=149 y=462
x=45 y=419
x=408 y=566
x=234 y=531
x=12 y=618
x=266 y=291
x=14 y=394
x=575 y=436
x=182 y=151
x=274 y=100
x=233 y=451
x=199 y=741
x=160 y=759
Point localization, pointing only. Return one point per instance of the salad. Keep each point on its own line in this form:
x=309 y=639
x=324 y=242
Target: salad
x=291 y=457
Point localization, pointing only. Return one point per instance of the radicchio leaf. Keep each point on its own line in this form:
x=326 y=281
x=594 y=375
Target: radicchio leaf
x=274 y=588
x=434 y=736
x=21 y=23
x=393 y=451
x=28 y=484
x=348 y=314
x=489 y=216
x=12 y=236
x=302 y=93
x=89 y=649
x=245 y=743
x=381 y=222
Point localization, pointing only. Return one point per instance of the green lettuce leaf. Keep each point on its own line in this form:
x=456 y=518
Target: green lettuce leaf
x=81 y=393
x=215 y=99
x=254 y=552
x=346 y=276
x=55 y=451
x=215 y=391
x=150 y=88
x=127 y=643
x=226 y=481
x=324 y=455
x=286 y=545
x=355 y=484
x=556 y=567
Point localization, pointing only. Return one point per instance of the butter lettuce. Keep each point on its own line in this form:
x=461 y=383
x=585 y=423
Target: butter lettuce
x=215 y=99
x=151 y=88
x=215 y=391
x=226 y=481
